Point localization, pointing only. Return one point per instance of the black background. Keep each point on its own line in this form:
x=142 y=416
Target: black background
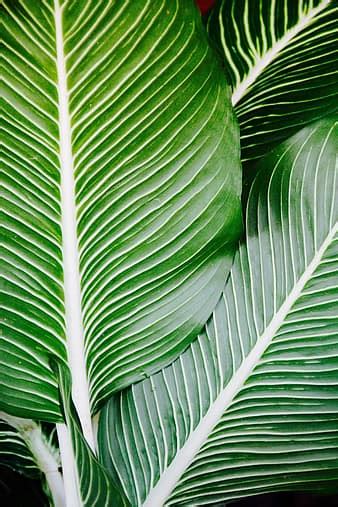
x=18 y=491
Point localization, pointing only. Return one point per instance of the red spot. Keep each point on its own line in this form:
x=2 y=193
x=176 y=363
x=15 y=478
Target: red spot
x=205 y=5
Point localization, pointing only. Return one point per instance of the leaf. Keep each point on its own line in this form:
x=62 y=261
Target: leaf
x=27 y=449
x=122 y=195
x=95 y=487
x=251 y=406
x=15 y=454
x=280 y=59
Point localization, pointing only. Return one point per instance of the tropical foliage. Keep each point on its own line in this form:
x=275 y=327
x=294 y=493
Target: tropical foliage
x=252 y=403
x=122 y=219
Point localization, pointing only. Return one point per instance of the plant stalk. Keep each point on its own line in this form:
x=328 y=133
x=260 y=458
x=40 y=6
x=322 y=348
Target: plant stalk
x=68 y=467
x=44 y=455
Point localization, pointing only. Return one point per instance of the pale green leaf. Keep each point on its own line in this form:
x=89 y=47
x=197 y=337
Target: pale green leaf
x=252 y=405
x=121 y=194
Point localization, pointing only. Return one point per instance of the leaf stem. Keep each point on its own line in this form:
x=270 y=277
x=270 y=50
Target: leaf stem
x=162 y=490
x=43 y=453
x=68 y=467
x=72 y=286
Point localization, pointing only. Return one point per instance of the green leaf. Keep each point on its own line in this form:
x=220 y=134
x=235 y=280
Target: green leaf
x=27 y=449
x=121 y=198
x=14 y=452
x=95 y=487
x=280 y=59
x=252 y=405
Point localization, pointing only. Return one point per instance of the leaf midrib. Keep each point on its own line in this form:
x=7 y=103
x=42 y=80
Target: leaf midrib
x=273 y=52
x=169 y=479
x=72 y=285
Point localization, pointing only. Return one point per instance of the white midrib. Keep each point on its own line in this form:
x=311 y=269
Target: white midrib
x=72 y=287
x=169 y=479
x=47 y=464
x=263 y=62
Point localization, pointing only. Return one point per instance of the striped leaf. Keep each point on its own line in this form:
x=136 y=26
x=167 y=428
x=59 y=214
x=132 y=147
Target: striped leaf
x=27 y=449
x=121 y=197
x=86 y=482
x=280 y=59
x=252 y=405
x=14 y=452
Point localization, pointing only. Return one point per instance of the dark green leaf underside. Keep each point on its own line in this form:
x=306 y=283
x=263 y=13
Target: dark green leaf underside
x=280 y=60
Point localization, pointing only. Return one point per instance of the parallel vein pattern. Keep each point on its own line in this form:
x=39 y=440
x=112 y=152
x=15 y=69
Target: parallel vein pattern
x=251 y=406
x=126 y=95
x=14 y=452
x=32 y=314
x=280 y=59
x=95 y=487
x=155 y=238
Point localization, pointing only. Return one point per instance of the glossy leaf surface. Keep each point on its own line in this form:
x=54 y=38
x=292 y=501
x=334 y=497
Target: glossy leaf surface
x=251 y=406
x=122 y=194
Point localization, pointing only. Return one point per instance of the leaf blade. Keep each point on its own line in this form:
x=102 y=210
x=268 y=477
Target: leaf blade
x=95 y=487
x=133 y=90
x=226 y=377
x=33 y=324
x=279 y=60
